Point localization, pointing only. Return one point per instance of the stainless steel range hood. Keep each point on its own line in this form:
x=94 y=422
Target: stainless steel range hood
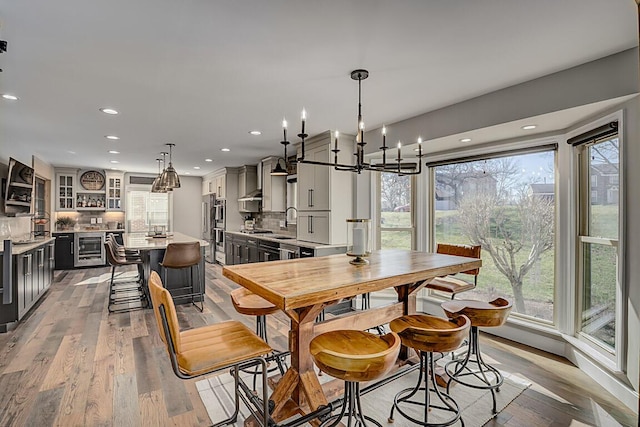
x=252 y=196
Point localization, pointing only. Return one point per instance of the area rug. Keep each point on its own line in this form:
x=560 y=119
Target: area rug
x=217 y=395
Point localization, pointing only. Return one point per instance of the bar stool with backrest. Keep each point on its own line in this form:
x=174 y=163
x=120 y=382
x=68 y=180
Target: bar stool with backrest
x=355 y=357
x=123 y=294
x=427 y=335
x=180 y=256
x=451 y=284
x=247 y=303
x=128 y=254
x=471 y=370
x=212 y=348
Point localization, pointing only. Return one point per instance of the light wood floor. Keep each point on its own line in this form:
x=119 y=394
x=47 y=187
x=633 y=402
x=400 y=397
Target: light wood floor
x=70 y=363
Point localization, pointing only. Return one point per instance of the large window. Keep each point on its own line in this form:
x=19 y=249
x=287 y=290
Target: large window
x=146 y=209
x=599 y=213
x=506 y=205
x=396 y=216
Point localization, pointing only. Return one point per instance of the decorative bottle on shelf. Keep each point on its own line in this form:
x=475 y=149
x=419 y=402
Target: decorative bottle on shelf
x=84 y=201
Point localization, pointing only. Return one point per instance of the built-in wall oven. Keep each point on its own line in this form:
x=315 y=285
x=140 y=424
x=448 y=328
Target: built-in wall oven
x=218 y=236
x=89 y=249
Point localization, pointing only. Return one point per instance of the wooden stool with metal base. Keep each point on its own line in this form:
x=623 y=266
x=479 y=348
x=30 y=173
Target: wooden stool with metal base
x=181 y=256
x=471 y=370
x=354 y=356
x=247 y=303
x=427 y=335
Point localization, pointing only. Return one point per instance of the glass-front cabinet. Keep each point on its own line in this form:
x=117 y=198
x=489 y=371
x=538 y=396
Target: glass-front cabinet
x=114 y=191
x=65 y=191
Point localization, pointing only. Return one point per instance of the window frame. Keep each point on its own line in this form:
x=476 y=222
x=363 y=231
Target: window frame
x=583 y=187
x=378 y=212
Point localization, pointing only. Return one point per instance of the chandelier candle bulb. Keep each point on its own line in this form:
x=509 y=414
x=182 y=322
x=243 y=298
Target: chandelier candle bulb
x=337 y=135
x=419 y=147
x=304 y=119
x=284 y=128
x=399 y=151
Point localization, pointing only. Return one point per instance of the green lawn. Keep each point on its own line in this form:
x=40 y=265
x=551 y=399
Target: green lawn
x=538 y=285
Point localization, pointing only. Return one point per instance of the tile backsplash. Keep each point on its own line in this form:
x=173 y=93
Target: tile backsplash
x=271 y=221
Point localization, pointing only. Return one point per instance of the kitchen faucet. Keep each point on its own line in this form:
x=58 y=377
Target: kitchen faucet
x=285 y=215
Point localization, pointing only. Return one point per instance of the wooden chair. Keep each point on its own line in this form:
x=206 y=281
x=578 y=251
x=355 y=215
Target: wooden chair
x=211 y=348
x=481 y=314
x=247 y=303
x=354 y=356
x=124 y=295
x=427 y=335
x=181 y=256
x=452 y=284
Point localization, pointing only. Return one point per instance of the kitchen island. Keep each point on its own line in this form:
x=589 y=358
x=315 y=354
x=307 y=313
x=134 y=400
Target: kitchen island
x=152 y=251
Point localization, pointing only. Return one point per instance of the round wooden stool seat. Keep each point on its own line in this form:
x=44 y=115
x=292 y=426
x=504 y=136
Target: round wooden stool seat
x=472 y=371
x=430 y=333
x=481 y=313
x=247 y=303
x=355 y=355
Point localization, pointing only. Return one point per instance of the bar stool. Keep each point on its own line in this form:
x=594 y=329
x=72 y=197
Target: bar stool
x=427 y=335
x=123 y=294
x=128 y=254
x=451 y=284
x=354 y=356
x=247 y=303
x=180 y=256
x=482 y=314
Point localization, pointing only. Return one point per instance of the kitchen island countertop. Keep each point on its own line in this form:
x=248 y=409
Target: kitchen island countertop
x=142 y=242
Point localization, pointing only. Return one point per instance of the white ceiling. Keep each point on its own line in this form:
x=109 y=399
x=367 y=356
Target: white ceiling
x=202 y=74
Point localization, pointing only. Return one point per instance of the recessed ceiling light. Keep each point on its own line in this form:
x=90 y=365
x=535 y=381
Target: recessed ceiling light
x=114 y=152
x=208 y=160
x=71 y=152
x=465 y=140
x=196 y=167
x=114 y=161
x=9 y=97
x=115 y=169
x=112 y=137
x=529 y=127
x=109 y=111
x=187 y=173
x=255 y=132
x=225 y=150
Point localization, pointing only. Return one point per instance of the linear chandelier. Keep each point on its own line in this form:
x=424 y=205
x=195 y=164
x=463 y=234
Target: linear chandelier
x=397 y=165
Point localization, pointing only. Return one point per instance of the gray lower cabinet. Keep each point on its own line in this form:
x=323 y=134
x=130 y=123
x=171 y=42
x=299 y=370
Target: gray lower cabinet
x=31 y=276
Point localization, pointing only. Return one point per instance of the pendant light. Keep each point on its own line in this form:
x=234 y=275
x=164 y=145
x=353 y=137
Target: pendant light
x=156 y=187
x=170 y=178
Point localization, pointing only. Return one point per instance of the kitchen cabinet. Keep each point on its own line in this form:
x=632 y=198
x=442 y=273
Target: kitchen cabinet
x=65 y=191
x=207 y=186
x=325 y=195
x=64 y=251
x=114 y=191
x=220 y=186
x=31 y=277
x=274 y=188
x=315 y=227
x=251 y=250
x=228 y=249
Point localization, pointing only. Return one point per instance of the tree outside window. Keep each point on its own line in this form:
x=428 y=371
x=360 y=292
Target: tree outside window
x=506 y=205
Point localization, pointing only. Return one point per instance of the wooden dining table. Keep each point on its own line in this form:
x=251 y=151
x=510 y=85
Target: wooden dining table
x=302 y=288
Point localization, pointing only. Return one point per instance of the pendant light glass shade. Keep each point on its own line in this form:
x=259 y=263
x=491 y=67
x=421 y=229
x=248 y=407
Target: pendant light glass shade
x=156 y=187
x=169 y=178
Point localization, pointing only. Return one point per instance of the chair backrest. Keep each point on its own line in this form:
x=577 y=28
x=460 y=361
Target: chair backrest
x=160 y=297
x=461 y=250
x=112 y=258
x=181 y=255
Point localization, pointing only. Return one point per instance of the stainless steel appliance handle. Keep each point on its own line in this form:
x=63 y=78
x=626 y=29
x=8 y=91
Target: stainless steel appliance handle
x=41 y=257
x=71 y=248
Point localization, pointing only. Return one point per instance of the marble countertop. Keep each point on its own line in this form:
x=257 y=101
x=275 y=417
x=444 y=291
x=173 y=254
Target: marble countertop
x=290 y=241
x=21 y=248
x=141 y=241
